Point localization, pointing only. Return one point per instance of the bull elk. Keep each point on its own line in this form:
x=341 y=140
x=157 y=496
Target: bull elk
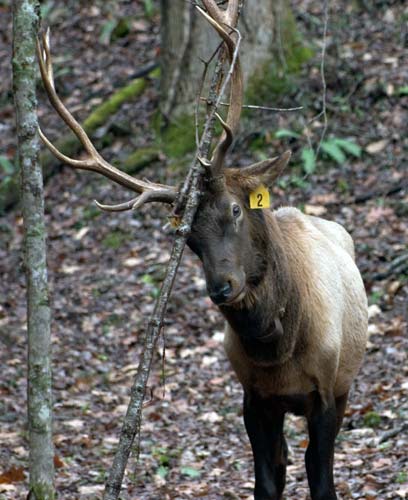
x=286 y=283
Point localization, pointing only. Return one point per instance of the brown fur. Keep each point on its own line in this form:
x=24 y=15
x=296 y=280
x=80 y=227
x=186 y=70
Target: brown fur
x=296 y=314
x=309 y=281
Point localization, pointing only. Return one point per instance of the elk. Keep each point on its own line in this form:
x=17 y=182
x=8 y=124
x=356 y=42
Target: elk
x=286 y=283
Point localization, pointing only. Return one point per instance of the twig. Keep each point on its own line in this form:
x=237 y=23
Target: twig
x=279 y=30
x=392 y=433
x=399 y=264
x=132 y=422
x=263 y=108
x=387 y=191
x=323 y=76
x=197 y=104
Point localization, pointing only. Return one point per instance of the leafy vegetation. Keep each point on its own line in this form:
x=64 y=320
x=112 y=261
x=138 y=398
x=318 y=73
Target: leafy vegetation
x=333 y=149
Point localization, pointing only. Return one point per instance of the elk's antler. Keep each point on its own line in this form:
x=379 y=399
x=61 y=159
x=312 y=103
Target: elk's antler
x=223 y=20
x=148 y=191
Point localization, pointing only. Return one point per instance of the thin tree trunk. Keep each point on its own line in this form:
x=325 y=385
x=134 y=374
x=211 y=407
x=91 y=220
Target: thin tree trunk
x=25 y=25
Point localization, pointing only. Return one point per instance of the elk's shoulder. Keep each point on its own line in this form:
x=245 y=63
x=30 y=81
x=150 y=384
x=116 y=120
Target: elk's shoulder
x=329 y=230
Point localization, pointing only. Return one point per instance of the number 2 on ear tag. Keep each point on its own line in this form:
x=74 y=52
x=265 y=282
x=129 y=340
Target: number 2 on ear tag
x=259 y=198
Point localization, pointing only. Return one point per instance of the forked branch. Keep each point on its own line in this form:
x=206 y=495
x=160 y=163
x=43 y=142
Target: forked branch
x=148 y=191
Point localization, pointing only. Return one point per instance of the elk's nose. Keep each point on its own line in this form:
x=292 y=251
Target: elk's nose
x=220 y=293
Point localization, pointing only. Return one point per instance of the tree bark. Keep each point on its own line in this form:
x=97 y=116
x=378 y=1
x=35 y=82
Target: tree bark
x=185 y=41
x=41 y=466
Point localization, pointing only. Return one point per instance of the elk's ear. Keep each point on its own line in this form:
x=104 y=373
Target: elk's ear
x=268 y=170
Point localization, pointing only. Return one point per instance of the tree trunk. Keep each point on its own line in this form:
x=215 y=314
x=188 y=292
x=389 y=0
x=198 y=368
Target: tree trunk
x=25 y=24
x=272 y=53
x=187 y=39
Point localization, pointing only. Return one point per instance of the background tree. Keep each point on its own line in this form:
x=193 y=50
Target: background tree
x=25 y=26
x=271 y=51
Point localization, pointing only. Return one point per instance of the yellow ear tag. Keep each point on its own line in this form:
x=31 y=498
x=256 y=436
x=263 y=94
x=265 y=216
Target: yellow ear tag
x=259 y=198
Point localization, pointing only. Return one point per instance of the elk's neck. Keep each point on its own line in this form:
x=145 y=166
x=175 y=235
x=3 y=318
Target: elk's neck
x=267 y=321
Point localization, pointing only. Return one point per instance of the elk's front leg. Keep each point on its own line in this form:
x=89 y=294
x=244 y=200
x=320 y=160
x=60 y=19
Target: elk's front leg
x=265 y=431
x=322 y=425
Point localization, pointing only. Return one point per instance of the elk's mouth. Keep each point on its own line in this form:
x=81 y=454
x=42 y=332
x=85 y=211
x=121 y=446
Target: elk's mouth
x=235 y=298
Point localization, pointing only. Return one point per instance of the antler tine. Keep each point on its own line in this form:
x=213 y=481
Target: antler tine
x=224 y=144
x=45 y=63
x=94 y=161
x=228 y=16
x=214 y=16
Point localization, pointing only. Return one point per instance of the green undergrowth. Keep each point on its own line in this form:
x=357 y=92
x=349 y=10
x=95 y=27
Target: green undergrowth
x=100 y=115
x=177 y=138
x=115 y=239
x=139 y=159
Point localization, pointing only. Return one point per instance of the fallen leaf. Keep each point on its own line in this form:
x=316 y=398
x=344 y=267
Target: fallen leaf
x=402 y=492
x=376 y=147
x=324 y=199
x=393 y=287
x=315 y=210
x=211 y=416
x=377 y=214
x=397 y=327
x=58 y=463
x=91 y=490
x=133 y=262
x=13 y=475
x=373 y=311
x=65 y=269
x=382 y=463
x=81 y=233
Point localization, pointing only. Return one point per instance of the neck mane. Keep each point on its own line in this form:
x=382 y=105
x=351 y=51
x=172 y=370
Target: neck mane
x=266 y=321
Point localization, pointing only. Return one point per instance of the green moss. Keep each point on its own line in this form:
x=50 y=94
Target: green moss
x=42 y=491
x=90 y=213
x=277 y=75
x=140 y=159
x=178 y=138
x=115 y=239
x=9 y=189
x=99 y=116
x=372 y=419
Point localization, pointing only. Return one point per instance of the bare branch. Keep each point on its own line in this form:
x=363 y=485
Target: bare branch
x=189 y=192
x=261 y=108
x=323 y=76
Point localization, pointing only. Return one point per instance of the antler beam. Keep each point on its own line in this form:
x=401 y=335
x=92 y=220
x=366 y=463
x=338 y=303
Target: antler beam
x=148 y=191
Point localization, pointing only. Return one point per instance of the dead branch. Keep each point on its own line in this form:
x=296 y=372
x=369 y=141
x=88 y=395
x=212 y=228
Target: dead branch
x=397 y=266
x=132 y=422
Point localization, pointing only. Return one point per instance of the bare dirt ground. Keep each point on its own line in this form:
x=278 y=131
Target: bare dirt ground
x=105 y=271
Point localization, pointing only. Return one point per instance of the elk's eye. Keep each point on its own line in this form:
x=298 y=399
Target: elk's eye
x=236 y=210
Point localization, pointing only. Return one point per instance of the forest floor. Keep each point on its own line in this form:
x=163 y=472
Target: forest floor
x=105 y=271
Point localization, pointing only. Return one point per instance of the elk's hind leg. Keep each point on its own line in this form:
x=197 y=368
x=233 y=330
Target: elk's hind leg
x=265 y=431
x=322 y=426
x=341 y=403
